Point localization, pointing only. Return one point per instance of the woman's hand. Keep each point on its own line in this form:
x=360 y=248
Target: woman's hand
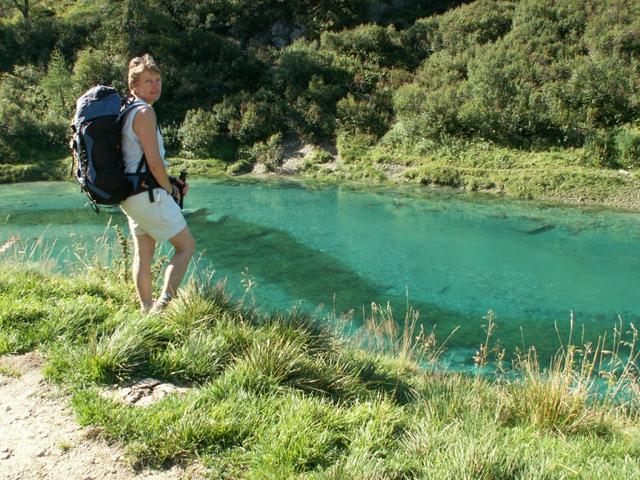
x=175 y=192
x=184 y=187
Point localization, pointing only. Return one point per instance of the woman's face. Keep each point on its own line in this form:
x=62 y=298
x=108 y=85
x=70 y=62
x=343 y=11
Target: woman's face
x=148 y=86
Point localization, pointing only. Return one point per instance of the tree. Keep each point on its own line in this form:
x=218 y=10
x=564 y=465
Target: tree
x=131 y=25
x=58 y=84
x=21 y=5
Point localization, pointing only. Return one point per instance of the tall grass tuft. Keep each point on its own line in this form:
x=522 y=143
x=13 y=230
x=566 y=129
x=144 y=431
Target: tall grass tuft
x=129 y=347
x=200 y=357
x=406 y=340
x=569 y=396
x=202 y=304
x=308 y=434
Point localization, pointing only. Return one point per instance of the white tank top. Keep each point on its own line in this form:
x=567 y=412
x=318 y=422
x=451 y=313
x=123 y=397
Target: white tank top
x=131 y=147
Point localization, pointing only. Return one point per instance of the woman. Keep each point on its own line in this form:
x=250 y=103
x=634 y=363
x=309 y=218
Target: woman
x=160 y=219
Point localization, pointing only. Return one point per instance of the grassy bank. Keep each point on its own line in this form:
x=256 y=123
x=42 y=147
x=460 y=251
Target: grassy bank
x=41 y=170
x=286 y=396
x=569 y=176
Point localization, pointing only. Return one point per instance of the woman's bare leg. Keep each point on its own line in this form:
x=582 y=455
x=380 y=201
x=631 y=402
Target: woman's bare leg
x=145 y=246
x=184 y=245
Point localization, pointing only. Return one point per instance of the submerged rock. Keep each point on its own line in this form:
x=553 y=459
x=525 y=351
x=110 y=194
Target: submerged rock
x=543 y=228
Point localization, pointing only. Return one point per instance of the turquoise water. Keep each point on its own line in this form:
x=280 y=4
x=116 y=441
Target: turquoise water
x=338 y=247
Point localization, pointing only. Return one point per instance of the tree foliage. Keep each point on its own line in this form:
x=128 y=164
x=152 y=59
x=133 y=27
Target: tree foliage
x=524 y=74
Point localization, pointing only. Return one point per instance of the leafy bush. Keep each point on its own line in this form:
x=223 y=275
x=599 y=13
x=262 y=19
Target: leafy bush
x=259 y=116
x=318 y=156
x=598 y=93
x=244 y=165
x=429 y=113
x=268 y=153
x=199 y=133
x=627 y=141
x=371 y=116
x=311 y=122
x=476 y=24
x=614 y=29
x=421 y=39
x=26 y=42
x=312 y=82
x=367 y=43
x=354 y=148
x=27 y=132
x=94 y=67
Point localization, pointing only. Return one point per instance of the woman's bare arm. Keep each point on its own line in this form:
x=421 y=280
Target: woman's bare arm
x=145 y=126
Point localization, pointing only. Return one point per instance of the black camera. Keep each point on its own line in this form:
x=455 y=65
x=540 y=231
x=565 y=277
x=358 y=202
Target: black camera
x=174 y=181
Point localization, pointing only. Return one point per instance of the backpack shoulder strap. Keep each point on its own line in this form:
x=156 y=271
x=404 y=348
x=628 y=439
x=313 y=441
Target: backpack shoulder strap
x=128 y=108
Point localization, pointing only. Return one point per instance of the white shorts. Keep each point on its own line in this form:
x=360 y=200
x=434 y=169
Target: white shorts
x=161 y=219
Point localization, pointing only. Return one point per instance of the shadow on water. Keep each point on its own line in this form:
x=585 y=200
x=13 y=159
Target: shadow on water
x=275 y=257
x=278 y=258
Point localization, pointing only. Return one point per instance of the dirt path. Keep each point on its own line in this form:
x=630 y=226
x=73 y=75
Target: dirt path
x=40 y=439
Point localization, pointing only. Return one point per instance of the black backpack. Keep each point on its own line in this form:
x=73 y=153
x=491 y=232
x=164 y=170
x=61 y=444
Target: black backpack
x=97 y=150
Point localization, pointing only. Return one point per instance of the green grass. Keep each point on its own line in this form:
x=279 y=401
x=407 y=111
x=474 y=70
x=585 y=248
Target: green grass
x=206 y=167
x=566 y=175
x=35 y=171
x=286 y=396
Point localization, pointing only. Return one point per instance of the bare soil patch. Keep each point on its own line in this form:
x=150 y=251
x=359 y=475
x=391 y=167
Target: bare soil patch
x=40 y=438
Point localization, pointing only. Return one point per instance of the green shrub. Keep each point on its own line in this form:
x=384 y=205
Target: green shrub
x=260 y=116
x=28 y=131
x=627 y=142
x=476 y=24
x=503 y=104
x=614 y=29
x=312 y=81
x=94 y=67
x=312 y=123
x=244 y=165
x=296 y=66
x=25 y=42
x=318 y=156
x=367 y=43
x=429 y=113
x=171 y=138
x=598 y=92
x=268 y=153
x=354 y=148
x=517 y=74
x=422 y=39
x=370 y=116
x=199 y=133
x=601 y=145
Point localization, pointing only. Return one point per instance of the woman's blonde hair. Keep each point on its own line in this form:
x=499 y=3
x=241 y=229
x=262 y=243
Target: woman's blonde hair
x=138 y=65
